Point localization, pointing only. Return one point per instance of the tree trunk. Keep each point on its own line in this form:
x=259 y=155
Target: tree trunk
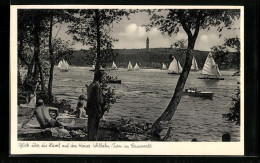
x=93 y=114
x=52 y=61
x=38 y=65
x=97 y=68
x=29 y=72
x=171 y=108
x=35 y=71
x=41 y=76
x=23 y=60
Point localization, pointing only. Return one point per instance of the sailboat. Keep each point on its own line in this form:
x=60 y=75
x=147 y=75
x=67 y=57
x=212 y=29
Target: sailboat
x=114 y=67
x=210 y=69
x=194 y=66
x=164 y=67
x=175 y=67
x=136 y=67
x=59 y=64
x=93 y=68
x=64 y=66
x=130 y=67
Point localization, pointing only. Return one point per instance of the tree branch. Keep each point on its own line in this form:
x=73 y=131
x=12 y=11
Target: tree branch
x=199 y=21
x=184 y=25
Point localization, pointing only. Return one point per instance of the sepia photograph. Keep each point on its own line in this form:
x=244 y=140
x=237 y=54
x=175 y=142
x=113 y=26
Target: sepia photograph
x=161 y=74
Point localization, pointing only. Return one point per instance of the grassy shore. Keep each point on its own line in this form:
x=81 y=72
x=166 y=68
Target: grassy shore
x=117 y=130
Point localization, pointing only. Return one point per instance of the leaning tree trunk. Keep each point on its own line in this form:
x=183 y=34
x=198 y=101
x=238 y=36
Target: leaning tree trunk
x=52 y=61
x=171 y=108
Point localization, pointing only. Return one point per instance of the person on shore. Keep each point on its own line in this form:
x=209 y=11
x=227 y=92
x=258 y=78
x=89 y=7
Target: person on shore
x=95 y=103
x=80 y=109
x=42 y=114
x=226 y=137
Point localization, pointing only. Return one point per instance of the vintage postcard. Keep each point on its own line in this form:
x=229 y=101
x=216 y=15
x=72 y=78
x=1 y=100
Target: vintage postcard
x=127 y=80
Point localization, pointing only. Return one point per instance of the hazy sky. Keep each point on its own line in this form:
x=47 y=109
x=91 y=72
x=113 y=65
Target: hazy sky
x=132 y=35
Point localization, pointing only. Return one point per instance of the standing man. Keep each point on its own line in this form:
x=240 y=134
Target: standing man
x=95 y=103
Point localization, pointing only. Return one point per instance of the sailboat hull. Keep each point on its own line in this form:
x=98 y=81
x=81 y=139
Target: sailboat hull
x=114 y=81
x=64 y=70
x=174 y=73
x=94 y=70
x=211 y=78
x=199 y=94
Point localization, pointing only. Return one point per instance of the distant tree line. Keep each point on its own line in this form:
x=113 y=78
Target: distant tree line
x=152 y=59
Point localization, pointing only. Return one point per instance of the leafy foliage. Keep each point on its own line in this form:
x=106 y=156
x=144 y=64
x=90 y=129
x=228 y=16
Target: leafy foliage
x=223 y=54
x=109 y=93
x=84 y=29
x=234 y=112
x=170 y=21
x=180 y=44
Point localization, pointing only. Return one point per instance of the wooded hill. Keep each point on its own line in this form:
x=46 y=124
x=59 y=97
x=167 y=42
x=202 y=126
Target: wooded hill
x=145 y=59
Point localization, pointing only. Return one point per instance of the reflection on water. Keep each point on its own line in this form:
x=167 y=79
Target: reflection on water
x=144 y=95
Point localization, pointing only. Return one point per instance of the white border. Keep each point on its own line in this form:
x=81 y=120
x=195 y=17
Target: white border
x=158 y=148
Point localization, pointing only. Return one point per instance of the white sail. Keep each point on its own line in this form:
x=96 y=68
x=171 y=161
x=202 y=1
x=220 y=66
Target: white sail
x=194 y=65
x=136 y=67
x=67 y=65
x=164 y=66
x=130 y=67
x=218 y=72
x=114 y=67
x=175 y=67
x=64 y=65
x=59 y=64
x=179 y=67
x=210 y=67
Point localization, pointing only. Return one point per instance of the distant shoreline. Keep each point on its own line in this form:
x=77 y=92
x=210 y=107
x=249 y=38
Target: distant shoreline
x=153 y=58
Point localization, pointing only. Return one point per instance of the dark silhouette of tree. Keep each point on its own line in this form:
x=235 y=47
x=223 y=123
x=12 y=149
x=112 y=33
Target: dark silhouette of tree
x=223 y=55
x=35 y=47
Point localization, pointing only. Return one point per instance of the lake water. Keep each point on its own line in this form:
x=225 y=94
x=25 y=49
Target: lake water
x=144 y=95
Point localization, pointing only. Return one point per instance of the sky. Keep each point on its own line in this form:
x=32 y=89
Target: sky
x=131 y=34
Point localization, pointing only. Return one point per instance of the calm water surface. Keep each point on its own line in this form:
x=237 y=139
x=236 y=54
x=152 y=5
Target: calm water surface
x=144 y=95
